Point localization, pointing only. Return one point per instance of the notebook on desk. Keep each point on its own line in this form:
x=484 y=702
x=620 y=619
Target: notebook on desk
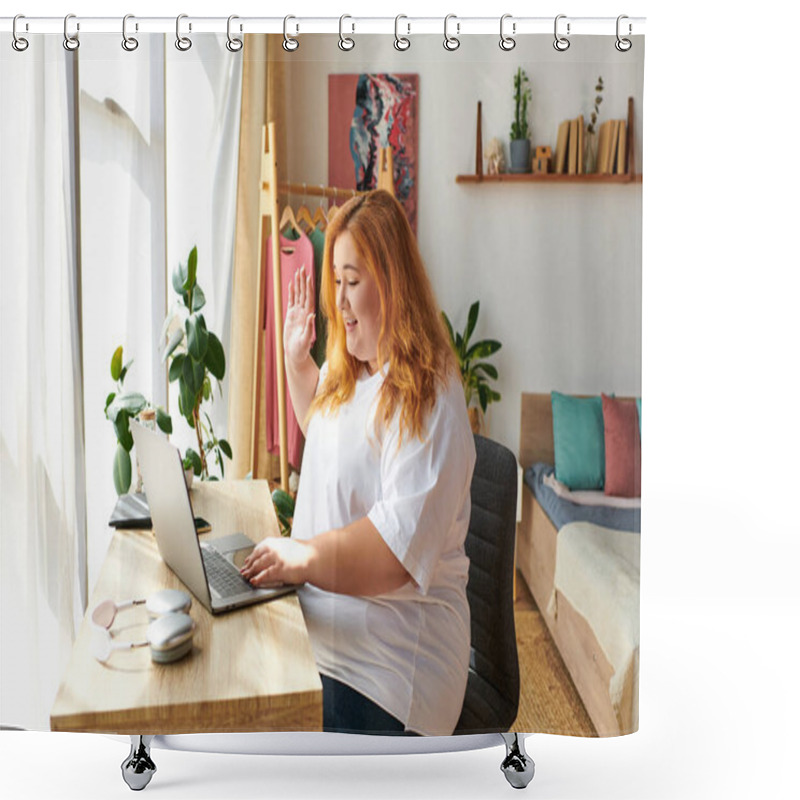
x=210 y=569
x=132 y=511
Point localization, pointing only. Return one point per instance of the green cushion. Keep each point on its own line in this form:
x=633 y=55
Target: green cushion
x=579 y=441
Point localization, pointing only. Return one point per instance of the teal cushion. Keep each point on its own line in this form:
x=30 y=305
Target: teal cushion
x=579 y=441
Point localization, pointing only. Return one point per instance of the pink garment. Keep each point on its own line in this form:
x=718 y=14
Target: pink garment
x=295 y=253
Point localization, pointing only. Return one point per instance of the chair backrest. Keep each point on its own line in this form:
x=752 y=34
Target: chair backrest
x=492 y=697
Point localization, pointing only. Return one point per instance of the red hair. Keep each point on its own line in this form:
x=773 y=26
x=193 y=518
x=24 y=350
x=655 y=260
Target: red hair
x=413 y=342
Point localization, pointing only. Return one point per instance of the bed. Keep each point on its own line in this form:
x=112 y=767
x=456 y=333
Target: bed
x=584 y=578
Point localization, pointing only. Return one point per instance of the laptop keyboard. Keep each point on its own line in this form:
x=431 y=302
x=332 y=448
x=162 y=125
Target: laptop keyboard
x=222 y=575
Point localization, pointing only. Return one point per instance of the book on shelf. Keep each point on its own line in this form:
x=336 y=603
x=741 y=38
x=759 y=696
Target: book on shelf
x=573 y=147
x=561 y=148
x=622 y=150
x=581 y=144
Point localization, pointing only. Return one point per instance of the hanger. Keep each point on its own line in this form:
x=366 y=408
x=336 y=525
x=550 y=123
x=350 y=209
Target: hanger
x=320 y=220
x=288 y=218
x=304 y=215
x=334 y=209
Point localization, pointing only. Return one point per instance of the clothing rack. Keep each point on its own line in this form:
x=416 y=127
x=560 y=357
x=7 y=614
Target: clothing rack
x=269 y=206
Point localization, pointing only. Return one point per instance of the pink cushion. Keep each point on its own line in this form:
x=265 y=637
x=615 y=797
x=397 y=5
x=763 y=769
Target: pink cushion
x=623 y=448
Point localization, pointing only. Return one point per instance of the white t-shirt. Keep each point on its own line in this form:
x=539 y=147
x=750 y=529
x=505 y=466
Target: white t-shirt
x=407 y=650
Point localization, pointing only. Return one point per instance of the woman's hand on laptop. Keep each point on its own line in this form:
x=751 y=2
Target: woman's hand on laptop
x=275 y=561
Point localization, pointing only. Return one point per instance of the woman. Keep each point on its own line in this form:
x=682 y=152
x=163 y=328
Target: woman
x=383 y=504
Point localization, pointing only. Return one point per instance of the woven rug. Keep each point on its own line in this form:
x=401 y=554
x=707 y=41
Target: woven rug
x=548 y=702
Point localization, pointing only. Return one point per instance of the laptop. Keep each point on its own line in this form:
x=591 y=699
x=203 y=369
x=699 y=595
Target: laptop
x=210 y=570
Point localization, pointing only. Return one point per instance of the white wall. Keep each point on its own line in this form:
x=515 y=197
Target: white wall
x=557 y=268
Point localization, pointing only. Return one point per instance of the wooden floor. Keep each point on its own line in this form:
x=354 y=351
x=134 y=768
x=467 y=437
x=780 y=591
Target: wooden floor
x=549 y=702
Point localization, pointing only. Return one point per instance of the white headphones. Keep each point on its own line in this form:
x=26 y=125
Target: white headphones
x=169 y=634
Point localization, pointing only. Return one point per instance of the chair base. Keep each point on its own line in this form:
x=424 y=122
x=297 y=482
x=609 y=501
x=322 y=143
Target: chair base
x=518 y=766
x=138 y=768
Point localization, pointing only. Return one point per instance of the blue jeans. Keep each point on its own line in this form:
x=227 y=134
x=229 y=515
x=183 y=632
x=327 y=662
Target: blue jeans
x=344 y=710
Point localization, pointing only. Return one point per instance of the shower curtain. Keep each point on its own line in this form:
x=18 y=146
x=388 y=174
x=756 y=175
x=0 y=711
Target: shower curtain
x=116 y=164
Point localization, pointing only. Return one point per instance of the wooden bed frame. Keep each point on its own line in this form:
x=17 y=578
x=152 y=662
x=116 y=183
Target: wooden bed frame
x=536 y=557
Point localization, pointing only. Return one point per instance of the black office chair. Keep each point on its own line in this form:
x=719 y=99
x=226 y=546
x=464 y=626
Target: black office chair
x=492 y=697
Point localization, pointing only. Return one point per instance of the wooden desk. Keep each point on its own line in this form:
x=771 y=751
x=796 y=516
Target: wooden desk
x=250 y=670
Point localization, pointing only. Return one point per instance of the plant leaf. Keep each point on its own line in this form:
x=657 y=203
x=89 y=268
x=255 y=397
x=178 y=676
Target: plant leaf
x=226 y=448
x=109 y=400
x=186 y=396
x=283 y=502
x=449 y=328
x=483 y=396
x=191 y=271
x=124 y=371
x=197 y=337
x=130 y=402
x=123 y=431
x=122 y=470
x=198 y=298
x=471 y=321
x=174 y=341
x=163 y=420
x=483 y=349
x=191 y=460
x=215 y=357
x=176 y=367
x=179 y=276
x=116 y=363
x=489 y=369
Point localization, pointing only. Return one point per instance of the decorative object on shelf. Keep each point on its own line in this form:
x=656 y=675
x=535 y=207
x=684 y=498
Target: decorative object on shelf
x=541 y=161
x=121 y=407
x=495 y=158
x=569 y=147
x=520 y=147
x=475 y=374
x=195 y=355
x=591 y=129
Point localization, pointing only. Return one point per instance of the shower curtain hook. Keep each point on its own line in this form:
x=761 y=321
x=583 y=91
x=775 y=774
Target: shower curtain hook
x=561 y=43
x=183 y=43
x=129 y=43
x=233 y=44
x=71 y=40
x=507 y=42
x=345 y=42
x=451 y=43
x=290 y=43
x=401 y=42
x=623 y=45
x=19 y=43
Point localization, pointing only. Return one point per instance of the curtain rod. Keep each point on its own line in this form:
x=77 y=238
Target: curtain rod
x=407 y=26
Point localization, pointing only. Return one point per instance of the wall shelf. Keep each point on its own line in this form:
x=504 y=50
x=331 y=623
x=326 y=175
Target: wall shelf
x=548 y=177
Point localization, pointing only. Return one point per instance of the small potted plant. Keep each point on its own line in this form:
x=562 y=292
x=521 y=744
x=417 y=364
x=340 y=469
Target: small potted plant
x=520 y=146
x=475 y=374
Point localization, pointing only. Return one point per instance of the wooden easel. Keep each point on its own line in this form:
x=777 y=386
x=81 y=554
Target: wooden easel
x=269 y=206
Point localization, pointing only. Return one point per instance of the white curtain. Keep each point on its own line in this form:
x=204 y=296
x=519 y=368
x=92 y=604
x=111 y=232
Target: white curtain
x=114 y=164
x=42 y=485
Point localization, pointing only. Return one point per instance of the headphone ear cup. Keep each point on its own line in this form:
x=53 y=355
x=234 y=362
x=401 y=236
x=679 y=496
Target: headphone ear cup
x=170 y=637
x=168 y=601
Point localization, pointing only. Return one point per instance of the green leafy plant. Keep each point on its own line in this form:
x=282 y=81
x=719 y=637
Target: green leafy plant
x=592 y=126
x=284 y=509
x=195 y=355
x=121 y=407
x=476 y=374
x=522 y=94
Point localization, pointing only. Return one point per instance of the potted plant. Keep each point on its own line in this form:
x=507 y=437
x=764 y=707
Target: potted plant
x=520 y=146
x=121 y=407
x=475 y=374
x=195 y=355
x=591 y=129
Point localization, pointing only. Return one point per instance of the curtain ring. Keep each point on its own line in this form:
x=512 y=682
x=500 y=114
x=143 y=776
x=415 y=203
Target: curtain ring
x=71 y=40
x=345 y=42
x=623 y=45
x=451 y=43
x=183 y=43
x=401 y=42
x=233 y=44
x=129 y=43
x=290 y=43
x=561 y=43
x=19 y=43
x=507 y=42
